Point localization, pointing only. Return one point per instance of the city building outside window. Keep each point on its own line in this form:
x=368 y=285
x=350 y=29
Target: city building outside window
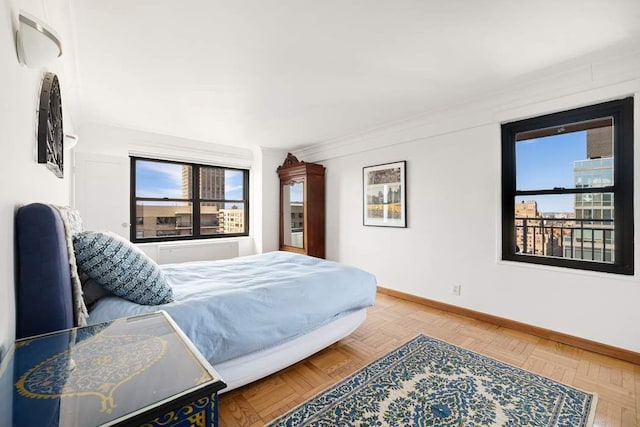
x=164 y=205
x=166 y=220
x=567 y=188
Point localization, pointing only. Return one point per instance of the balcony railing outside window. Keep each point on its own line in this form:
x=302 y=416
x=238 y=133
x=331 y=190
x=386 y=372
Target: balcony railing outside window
x=575 y=238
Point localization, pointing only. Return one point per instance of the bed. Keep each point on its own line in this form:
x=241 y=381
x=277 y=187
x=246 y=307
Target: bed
x=240 y=313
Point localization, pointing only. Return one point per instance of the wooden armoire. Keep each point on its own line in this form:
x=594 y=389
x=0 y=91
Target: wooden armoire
x=302 y=215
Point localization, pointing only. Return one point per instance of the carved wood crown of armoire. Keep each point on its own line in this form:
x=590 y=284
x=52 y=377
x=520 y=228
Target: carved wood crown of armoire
x=302 y=213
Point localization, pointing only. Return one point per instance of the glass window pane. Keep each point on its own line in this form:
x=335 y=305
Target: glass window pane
x=551 y=226
x=597 y=255
x=221 y=184
x=575 y=155
x=608 y=236
x=234 y=185
x=561 y=205
x=212 y=183
x=160 y=219
x=542 y=223
x=210 y=217
x=162 y=180
x=587 y=254
x=607 y=255
x=222 y=218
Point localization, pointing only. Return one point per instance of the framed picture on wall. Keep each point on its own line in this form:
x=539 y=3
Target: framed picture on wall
x=384 y=195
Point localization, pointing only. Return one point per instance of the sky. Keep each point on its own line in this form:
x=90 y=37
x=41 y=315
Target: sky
x=296 y=192
x=545 y=163
x=159 y=179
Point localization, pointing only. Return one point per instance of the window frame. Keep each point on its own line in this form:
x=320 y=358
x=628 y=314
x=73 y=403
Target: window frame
x=621 y=111
x=195 y=201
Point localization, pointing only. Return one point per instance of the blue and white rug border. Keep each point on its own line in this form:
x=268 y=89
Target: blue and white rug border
x=592 y=410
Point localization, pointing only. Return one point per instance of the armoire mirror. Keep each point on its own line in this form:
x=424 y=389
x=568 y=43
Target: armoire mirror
x=293 y=207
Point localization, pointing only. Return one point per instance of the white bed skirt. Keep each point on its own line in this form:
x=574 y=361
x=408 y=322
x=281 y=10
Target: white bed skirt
x=243 y=370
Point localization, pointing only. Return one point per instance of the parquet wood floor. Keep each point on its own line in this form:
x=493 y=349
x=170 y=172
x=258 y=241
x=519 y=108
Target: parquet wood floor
x=393 y=321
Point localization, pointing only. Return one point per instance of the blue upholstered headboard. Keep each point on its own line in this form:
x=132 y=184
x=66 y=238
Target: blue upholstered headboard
x=43 y=295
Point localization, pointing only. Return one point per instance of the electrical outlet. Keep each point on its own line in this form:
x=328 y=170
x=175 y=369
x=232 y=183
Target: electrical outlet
x=456 y=290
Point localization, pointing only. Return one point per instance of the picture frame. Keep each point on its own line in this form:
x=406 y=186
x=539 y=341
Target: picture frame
x=384 y=192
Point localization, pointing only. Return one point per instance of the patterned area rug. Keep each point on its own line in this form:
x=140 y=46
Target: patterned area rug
x=428 y=382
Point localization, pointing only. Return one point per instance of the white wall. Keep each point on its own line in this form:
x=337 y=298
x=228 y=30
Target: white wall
x=102 y=180
x=25 y=180
x=453 y=234
x=268 y=199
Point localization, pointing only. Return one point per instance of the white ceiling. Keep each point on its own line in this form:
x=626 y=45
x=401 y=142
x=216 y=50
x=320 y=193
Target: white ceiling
x=292 y=73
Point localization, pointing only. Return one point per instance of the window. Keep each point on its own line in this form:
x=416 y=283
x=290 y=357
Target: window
x=567 y=188
x=166 y=220
x=164 y=233
x=177 y=201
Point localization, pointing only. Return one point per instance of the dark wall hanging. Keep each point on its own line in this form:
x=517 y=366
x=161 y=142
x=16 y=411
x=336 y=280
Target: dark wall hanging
x=50 y=135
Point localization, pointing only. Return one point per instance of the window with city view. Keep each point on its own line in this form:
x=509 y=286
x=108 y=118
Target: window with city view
x=164 y=205
x=567 y=188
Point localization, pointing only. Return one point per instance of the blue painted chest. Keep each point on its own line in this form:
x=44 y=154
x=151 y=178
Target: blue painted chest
x=140 y=370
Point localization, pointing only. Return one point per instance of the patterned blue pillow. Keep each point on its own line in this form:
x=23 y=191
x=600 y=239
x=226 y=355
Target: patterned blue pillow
x=121 y=267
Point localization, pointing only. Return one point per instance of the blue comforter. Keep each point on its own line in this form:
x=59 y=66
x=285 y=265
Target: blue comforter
x=234 y=307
